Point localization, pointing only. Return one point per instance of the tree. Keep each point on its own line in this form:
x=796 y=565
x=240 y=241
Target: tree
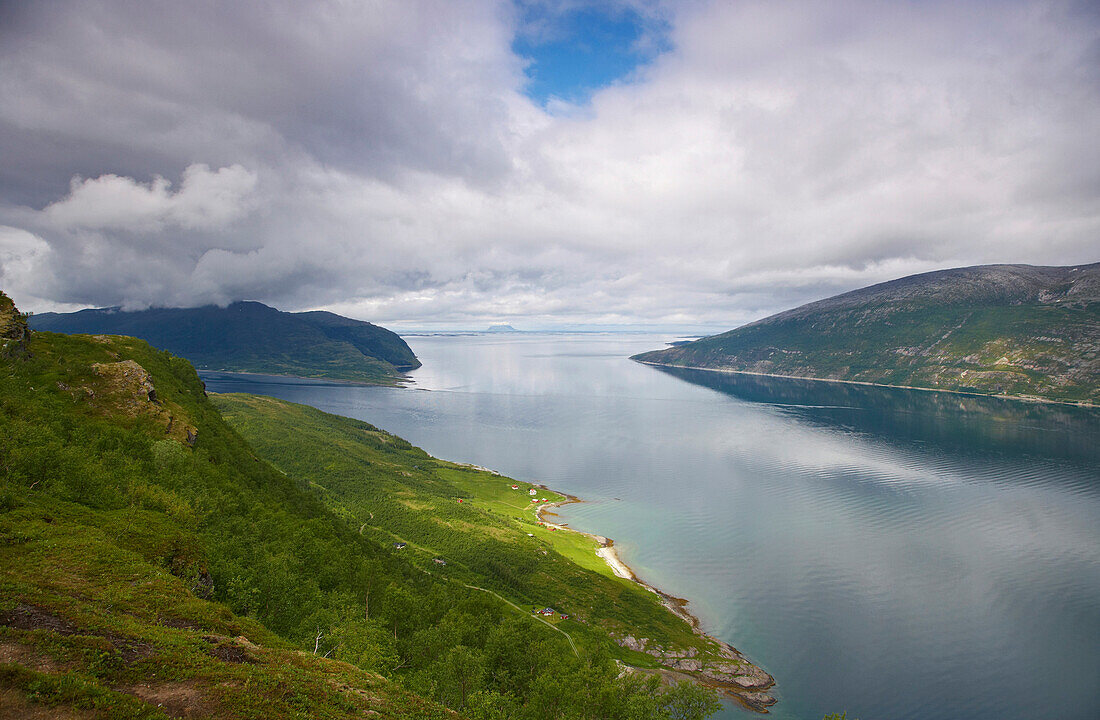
x=690 y=701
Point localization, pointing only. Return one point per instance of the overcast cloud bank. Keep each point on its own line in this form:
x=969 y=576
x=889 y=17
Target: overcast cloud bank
x=385 y=163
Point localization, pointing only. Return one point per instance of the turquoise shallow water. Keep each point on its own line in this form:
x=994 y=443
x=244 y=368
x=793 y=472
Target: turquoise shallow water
x=895 y=554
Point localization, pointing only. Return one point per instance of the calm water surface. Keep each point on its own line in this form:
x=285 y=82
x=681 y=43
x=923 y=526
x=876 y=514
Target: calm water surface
x=894 y=554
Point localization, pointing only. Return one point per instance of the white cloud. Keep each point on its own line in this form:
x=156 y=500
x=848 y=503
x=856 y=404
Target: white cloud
x=22 y=255
x=206 y=200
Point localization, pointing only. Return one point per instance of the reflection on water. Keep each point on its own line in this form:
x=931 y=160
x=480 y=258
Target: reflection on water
x=896 y=554
x=954 y=421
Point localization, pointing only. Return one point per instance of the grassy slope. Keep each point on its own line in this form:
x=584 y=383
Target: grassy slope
x=251 y=337
x=148 y=557
x=396 y=492
x=1030 y=349
x=108 y=529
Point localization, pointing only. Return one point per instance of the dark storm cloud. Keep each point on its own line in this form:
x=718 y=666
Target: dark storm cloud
x=375 y=89
x=382 y=158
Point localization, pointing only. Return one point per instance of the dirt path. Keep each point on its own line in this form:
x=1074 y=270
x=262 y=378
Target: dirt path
x=536 y=617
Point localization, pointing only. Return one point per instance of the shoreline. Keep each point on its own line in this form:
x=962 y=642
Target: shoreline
x=1018 y=398
x=753 y=692
x=398 y=382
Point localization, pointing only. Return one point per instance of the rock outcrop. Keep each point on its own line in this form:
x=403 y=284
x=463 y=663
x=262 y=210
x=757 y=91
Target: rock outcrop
x=126 y=388
x=724 y=668
x=13 y=329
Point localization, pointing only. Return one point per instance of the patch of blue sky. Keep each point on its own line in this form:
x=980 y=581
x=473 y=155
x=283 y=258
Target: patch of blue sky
x=574 y=49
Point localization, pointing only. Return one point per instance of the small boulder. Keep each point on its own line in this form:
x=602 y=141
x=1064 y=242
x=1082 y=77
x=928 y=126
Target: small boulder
x=757 y=700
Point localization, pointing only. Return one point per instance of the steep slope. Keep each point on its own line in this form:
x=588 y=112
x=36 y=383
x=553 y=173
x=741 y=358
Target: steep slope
x=997 y=329
x=252 y=337
x=152 y=565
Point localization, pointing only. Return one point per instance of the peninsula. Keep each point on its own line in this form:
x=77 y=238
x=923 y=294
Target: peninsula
x=254 y=338
x=1008 y=330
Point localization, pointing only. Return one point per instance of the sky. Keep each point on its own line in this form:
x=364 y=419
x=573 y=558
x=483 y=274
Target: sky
x=684 y=166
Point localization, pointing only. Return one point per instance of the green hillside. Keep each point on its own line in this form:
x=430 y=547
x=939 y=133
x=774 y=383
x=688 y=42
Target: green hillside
x=487 y=534
x=153 y=564
x=1010 y=330
x=252 y=337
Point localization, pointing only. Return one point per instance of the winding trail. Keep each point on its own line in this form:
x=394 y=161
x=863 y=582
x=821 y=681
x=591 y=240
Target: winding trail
x=536 y=617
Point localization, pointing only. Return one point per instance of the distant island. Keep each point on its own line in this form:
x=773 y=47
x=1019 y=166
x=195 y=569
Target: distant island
x=252 y=337
x=500 y=328
x=1012 y=330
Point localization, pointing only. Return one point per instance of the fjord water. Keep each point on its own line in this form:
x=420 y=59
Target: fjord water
x=893 y=554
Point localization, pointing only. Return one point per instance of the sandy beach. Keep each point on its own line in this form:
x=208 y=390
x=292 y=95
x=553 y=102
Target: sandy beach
x=611 y=557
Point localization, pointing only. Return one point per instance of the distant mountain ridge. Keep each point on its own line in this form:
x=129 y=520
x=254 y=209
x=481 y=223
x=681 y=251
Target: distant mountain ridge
x=1014 y=330
x=252 y=337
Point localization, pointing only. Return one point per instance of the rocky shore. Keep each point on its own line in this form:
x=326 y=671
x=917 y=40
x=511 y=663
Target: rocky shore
x=723 y=667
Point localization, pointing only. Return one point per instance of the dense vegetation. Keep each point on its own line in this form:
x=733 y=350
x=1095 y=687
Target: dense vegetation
x=394 y=492
x=1001 y=329
x=152 y=564
x=251 y=337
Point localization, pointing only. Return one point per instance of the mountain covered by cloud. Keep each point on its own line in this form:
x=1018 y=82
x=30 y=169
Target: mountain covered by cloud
x=391 y=160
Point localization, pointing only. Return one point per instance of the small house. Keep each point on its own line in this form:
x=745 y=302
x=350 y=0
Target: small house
x=515 y=487
x=439 y=561
x=532 y=491
x=400 y=545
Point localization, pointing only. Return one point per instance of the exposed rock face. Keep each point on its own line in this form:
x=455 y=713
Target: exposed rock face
x=127 y=388
x=630 y=643
x=128 y=379
x=733 y=673
x=743 y=674
x=13 y=329
x=757 y=700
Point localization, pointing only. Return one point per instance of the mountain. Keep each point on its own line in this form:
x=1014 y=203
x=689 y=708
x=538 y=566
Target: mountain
x=500 y=328
x=1013 y=330
x=252 y=337
x=155 y=564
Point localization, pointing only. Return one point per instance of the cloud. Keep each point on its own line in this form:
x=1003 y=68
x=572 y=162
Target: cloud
x=206 y=200
x=386 y=162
